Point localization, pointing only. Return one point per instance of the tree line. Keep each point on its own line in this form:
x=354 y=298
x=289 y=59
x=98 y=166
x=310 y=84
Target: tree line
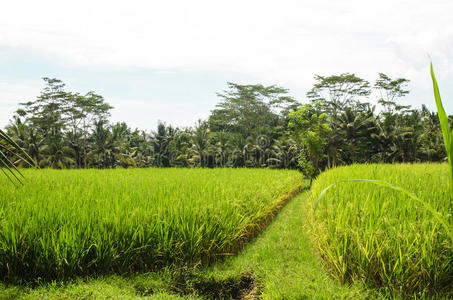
x=251 y=126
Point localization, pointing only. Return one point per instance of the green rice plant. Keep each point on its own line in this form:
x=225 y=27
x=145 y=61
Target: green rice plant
x=382 y=235
x=383 y=183
x=81 y=222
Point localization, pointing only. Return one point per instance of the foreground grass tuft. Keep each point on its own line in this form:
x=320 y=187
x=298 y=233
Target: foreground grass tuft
x=366 y=232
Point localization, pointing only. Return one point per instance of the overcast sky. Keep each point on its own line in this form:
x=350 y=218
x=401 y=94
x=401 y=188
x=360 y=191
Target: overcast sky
x=165 y=60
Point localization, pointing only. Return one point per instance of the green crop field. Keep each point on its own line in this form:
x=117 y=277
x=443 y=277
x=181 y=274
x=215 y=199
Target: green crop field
x=381 y=236
x=78 y=222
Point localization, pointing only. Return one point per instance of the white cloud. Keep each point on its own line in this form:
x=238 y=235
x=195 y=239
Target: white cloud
x=144 y=114
x=283 y=42
x=247 y=35
x=11 y=94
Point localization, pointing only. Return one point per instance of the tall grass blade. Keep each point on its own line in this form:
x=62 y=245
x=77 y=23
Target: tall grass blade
x=447 y=134
x=385 y=184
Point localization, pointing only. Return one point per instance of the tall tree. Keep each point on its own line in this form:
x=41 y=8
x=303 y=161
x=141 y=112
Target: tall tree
x=46 y=113
x=63 y=119
x=310 y=128
x=82 y=112
x=250 y=110
x=390 y=90
x=338 y=91
x=335 y=93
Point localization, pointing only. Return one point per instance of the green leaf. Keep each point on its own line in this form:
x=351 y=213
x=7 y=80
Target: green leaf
x=5 y=162
x=447 y=134
x=441 y=113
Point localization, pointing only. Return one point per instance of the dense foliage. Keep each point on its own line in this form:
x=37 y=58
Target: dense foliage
x=382 y=236
x=78 y=222
x=251 y=126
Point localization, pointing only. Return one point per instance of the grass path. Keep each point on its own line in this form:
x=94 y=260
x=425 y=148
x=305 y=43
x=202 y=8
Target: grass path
x=284 y=262
x=281 y=261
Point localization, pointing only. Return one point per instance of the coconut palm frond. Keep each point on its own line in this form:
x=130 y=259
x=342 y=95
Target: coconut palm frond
x=8 y=151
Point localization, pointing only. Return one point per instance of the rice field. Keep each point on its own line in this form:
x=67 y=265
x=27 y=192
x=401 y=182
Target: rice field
x=64 y=223
x=365 y=232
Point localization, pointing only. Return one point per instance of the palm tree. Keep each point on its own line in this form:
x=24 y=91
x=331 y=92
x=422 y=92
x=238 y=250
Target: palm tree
x=58 y=156
x=179 y=148
x=221 y=147
x=105 y=148
x=355 y=129
x=161 y=140
x=431 y=139
x=28 y=138
x=143 y=151
x=251 y=153
x=283 y=154
x=238 y=144
x=200 y=143
x=121 y=138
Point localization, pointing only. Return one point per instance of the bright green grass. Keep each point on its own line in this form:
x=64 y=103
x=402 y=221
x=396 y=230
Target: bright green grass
x=367 y=232
x=80 y=222
x=281 y=260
